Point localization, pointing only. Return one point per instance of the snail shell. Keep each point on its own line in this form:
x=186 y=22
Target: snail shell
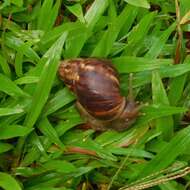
x=96 y=85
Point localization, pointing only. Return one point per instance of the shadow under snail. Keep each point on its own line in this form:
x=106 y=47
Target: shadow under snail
x=95 y=83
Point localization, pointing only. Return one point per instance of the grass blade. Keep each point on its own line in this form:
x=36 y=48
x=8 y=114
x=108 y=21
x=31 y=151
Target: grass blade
x=47 y=129
x=9 y=87
x=139 y=3
x=5 y=66
x=11 y=131
x=95 y=12
x=7 y=182
x=46 y=80
x=159 y=96
x=159 y=43
x=181 y=142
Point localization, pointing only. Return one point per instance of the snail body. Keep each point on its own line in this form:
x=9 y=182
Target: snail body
x=95 y=83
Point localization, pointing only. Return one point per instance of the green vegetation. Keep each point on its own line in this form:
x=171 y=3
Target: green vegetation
x=41 y=147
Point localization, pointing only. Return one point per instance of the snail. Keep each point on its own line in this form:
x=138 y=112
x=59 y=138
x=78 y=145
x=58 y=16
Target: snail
x=96 y=84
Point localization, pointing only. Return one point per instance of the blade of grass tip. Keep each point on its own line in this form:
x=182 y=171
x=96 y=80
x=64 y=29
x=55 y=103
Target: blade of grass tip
x=91 y=17
x=76 y=9
x=4 y=147
x=43 y=88
x=10 y=111
x=163 y=124
x=138 y=33
x=48 y=130
x=51 y=36
x=169 y=71
x=177 y=85
x=27 y=80
x=54 y=14
x=46 y=80
x=105 y=45
x=139 y=3
x=159 y=43
x=156 y=111
x=40 y=144
x=5 y=66
x=19 y=3
x=44 y=15
x=61 y=128
x=9 y=87
x=131 y=16
x=11 y=131
x=181 y=142
x=20 y=46
x=7 y=182
x=79 y=35
x=58 y=101
x=95 y=12
x=18 y=63
x=130 y=64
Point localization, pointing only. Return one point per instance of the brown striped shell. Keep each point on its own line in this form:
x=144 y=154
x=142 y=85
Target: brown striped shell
x=96 y=85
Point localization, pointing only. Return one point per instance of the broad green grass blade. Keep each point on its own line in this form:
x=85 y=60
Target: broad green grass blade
x=60 y=166
x=38 y=143
x=10 y=111
x=29 y=172
x=108 y=137
x=4 y=147
x=131 y=15
x=138 y=33
x=5 y=66
x=128 y=64
x=176 y=89
x=157 y=111
x=61 y=129
x=131 y=152
x=181 y=141
x=139 y=3
x=30 y=156
x=76 y=9
x=87 y=144
x=159 y=96
x=19 y=3
x=50 y=36
x=7 y=182
x=159 y=43
x=58 y=101
x=48 y=130
x=75 y=41
x=10 y=131
x=9 y=87
x=177 y=85
x=48 y=14
x=46 y=80
x=95 y=12
x=27 y=80
x=104 y=46
x=172 y=71
x=19 y=63
x=18 y=45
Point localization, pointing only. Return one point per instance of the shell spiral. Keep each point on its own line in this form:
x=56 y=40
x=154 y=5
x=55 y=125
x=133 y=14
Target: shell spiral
x=96 y=85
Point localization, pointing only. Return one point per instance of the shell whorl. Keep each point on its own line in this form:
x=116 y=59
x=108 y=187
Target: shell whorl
x=96 y=85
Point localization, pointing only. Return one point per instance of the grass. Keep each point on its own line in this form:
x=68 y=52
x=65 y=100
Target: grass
x=41 y=147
